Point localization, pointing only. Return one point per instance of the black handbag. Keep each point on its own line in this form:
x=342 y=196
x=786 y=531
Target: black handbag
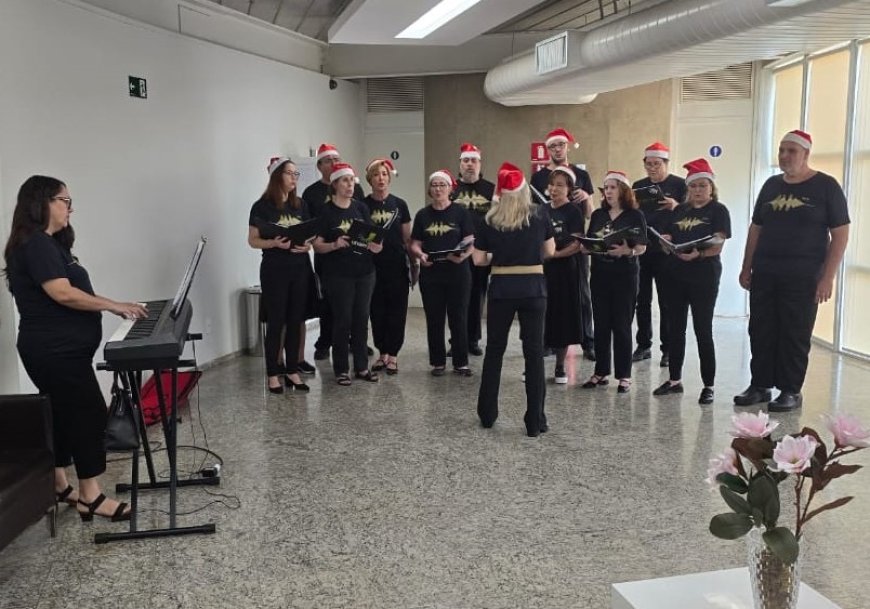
x=122 y=426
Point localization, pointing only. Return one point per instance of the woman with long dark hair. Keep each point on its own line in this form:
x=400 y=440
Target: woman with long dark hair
x=58 y=335
x=348 y=275
x=515 y=239
x=445 y=285
x=389 y=310
x=693 y=276
x=614 y=280
x=285 y=273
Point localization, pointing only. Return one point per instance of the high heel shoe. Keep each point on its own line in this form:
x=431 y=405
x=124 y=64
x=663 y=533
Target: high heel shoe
x=119 y=514
x=624 y=386
x=64 y=496
x=295 y=386
x=595 y=381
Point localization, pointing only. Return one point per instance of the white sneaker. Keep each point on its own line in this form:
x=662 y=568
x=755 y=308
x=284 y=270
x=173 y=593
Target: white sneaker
x=560 y=377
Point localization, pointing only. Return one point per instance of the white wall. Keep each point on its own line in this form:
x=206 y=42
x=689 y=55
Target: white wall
x=149 y=176
x=729 y=125
x=401 y=132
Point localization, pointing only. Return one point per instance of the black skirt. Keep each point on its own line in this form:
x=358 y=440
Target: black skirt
x=562 y=322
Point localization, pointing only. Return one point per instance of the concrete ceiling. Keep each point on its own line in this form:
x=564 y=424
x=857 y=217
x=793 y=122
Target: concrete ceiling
x=310 y=18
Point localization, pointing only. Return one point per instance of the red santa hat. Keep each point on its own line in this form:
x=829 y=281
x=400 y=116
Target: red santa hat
x=469 y=151
x=567 y=171
x=339 y=170
x=275 y=162
x=619 y=176
x=443 y=174
x=510 y=179
x=386 y=162
x=801 y=138
x=326 y=150
x=657 y=150
x=560 y=135
x=697 y=169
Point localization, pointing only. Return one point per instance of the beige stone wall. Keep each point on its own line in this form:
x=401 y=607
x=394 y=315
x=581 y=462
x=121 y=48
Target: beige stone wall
x=612 y=131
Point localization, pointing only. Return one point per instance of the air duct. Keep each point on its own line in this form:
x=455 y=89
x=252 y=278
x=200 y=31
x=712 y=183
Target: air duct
x=672 y=40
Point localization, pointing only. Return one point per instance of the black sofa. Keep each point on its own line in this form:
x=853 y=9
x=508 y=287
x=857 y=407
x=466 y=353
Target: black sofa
x=26 y=465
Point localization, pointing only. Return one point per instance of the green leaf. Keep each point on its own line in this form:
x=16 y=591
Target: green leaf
x=757 y=517
x=734 y=483
x=761 y=490
x=735 y=501
x=782 y=543
x=730 y=526
x=771 y=510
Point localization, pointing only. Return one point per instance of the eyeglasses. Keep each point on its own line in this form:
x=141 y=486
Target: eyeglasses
x=295 y=174
x=66 y=200
x=439 y=185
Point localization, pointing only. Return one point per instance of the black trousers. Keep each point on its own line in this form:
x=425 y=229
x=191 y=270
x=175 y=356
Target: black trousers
x=324 y=309
x=351 y=299
x=499 y=317
x=445 y=296
x=613 y=300
x=588 y=342
x=389 y=310
x=285 y=298
x=782 y=313
x=78 y=410
x=699 y=295
x=652 y=268
x=476 y=302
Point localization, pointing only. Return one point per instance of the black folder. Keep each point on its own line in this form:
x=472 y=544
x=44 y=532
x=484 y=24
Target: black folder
x=362 y=233
x=441 y=255
x=630 y=234
x=297 y=233
x=701 y=244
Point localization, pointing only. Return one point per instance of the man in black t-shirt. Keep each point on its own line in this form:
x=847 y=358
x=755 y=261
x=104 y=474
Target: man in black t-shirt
x=557 y=142
x=474 y=194
x=316 y=196
x=652 y=263
x=796 y=241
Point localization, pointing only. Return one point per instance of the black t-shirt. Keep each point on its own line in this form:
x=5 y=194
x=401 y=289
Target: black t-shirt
x=657 y=216
x=795 y=220
x=267 y=211
x=394 y=211
x=600 y=225
x=541 y=181
x=440 y=230
x=687 y=224
x=47 y=327
x=317 y=195
x=567 y=220
x=335 y=222
x=476 y=198
x=517 y=248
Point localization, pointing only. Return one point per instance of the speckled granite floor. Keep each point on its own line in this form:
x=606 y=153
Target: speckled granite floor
x=392 y=496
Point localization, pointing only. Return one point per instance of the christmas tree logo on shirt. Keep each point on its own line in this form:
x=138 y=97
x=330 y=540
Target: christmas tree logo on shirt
x=473 y=201
x=381 y=216
x=687 y=224
x=437 y=229
x=788 y=203
x=287 y=220
x=344 y=226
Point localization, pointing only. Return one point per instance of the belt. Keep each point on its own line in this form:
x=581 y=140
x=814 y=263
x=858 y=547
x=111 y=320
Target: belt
x=523 y=269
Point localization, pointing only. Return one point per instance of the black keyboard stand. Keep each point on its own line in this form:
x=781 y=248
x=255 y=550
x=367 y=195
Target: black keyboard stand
x=132 y=379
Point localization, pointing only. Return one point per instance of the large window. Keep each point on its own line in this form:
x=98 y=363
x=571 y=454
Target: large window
x=827 y=97
x=788 y=94
x=856 y=294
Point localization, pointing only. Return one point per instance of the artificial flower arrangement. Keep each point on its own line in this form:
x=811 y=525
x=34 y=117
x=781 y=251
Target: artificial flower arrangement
x=752 y=491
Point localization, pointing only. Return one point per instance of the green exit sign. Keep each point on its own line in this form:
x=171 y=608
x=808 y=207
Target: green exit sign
x=138 y=87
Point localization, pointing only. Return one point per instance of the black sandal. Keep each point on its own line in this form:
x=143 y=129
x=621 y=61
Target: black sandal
x=379 y=365
x=392 y=368
x=343 y=379
x=367 y=375
x=64 y=496
x=118 y=516
x=595 y=381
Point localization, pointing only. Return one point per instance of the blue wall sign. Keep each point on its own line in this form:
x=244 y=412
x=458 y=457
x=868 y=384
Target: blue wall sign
x=715 y=151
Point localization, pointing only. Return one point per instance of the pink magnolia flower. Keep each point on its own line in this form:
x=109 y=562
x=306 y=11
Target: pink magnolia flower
x=748 y=425
x=847 y=431
x=724 y=463
x=793 y=455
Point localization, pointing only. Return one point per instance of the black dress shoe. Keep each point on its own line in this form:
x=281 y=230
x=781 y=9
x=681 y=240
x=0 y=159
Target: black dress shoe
x=706 y=396
x=306 y=368
x=785 y=402
x=321 y=353
x=463 y=371
x=589 y=354
x=665 y=361
x=544 y=427
x=668 y=388
x=276 y=390
x=475 y=349
x=302 y=387
x=641 y=354
x=752 y=395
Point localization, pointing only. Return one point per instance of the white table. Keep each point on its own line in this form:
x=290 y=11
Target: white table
x=728 y=589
